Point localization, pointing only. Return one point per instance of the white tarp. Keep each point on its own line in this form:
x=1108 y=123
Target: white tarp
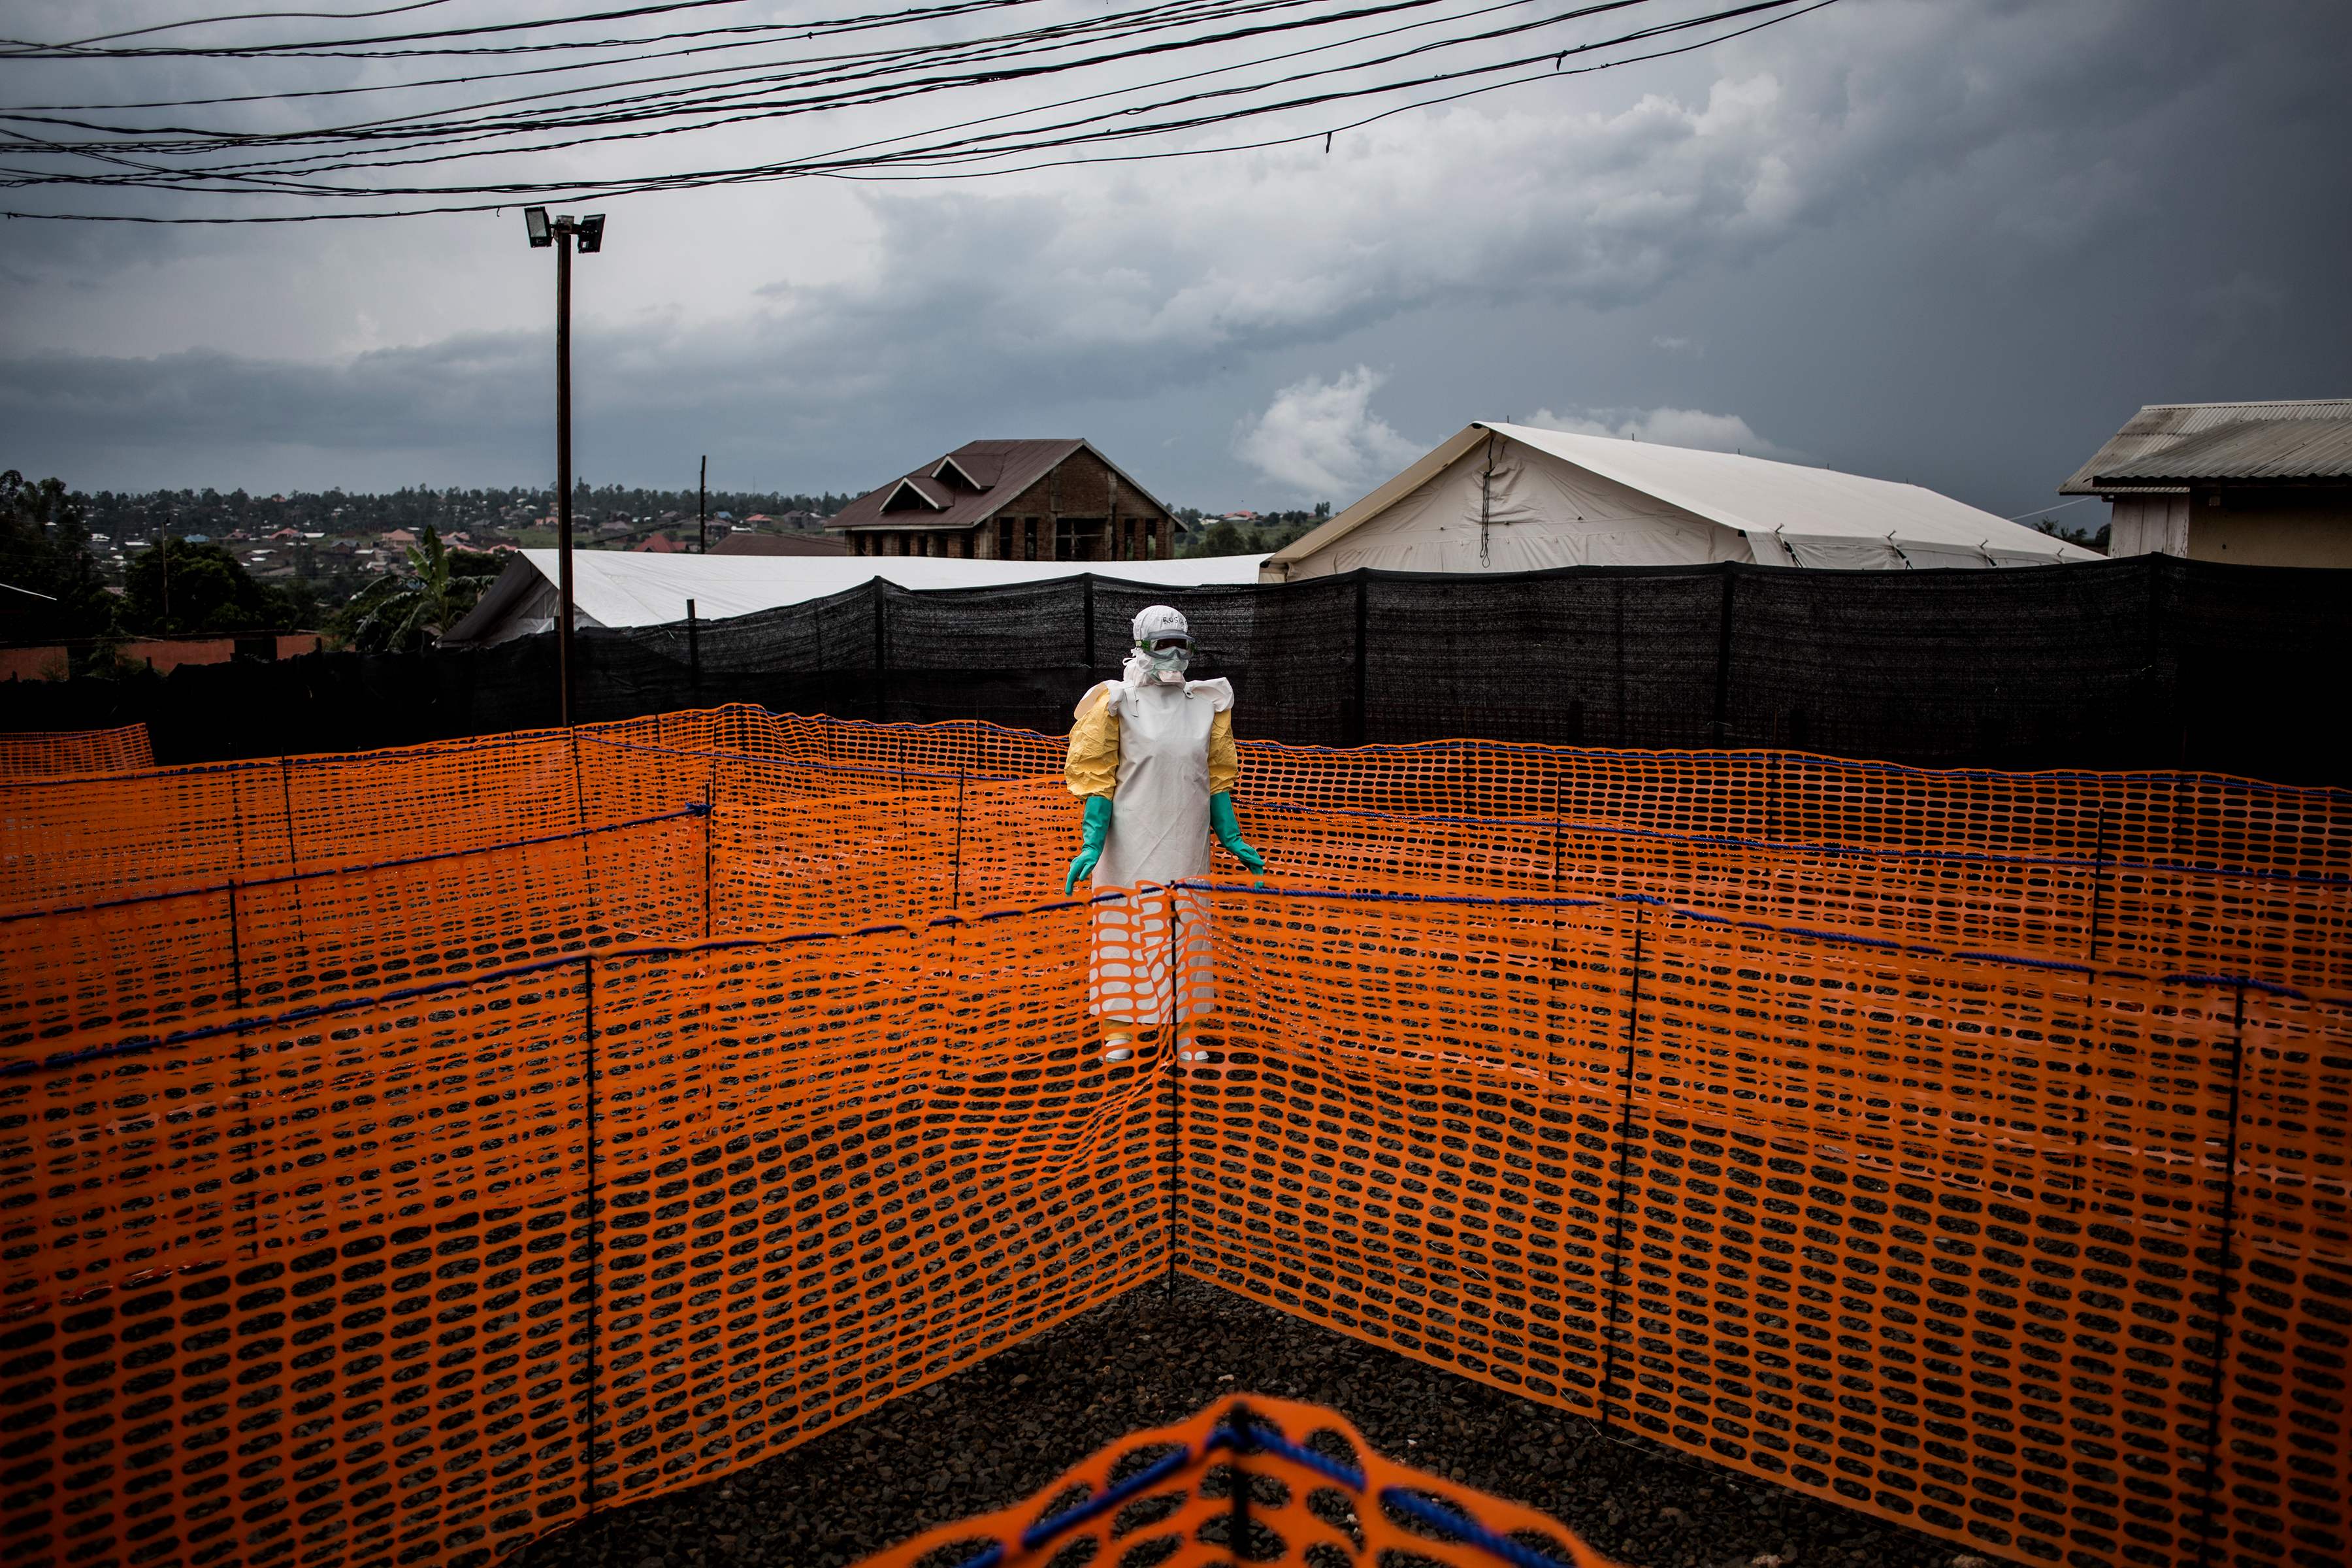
x=629 y=588
x=1528 y=499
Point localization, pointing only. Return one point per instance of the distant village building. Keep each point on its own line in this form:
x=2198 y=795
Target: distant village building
x=2260 y=484
x=1012 y=501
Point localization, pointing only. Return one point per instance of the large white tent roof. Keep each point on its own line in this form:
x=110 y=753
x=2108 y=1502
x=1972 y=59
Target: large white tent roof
x=628 y=588
x=1563 y=500
x=1764 y=499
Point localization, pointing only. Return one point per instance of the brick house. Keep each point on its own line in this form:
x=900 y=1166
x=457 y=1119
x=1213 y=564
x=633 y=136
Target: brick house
x=1010 y=500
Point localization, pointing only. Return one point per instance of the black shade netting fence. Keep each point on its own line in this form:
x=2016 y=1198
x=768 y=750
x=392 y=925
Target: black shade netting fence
x=2145 y=662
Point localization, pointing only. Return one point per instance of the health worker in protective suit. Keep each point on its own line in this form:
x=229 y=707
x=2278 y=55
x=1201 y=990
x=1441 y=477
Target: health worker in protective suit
x=1152 y=755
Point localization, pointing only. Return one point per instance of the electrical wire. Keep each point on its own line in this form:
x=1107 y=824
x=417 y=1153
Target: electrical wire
x=252 y=17
x=371 y=48
x=866 y=96
x=1175 y=12
x=311 y=164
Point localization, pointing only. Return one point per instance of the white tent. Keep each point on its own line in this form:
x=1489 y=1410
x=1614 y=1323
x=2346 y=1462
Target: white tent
x=1512 y=497
x=631 y=588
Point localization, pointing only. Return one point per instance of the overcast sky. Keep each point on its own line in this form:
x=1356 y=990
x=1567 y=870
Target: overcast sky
x=1950 y=241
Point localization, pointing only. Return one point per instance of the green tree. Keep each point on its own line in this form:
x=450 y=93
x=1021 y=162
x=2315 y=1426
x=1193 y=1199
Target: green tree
x=174 y=588
x=44 y=556
x=1224 y=539
x=402 y=614
x=2082 y=536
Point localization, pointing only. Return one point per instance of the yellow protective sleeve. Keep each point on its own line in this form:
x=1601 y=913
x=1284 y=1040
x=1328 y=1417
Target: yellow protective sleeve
x=1225 y=762
x=1092 y=766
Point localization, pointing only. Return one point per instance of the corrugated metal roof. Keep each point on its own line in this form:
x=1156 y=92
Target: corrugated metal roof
x=942 y=494
x=624 y=588
x=2161 y=429
x=2269 y=449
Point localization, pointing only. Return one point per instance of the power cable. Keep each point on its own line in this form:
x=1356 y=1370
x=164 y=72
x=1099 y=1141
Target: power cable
x=1185 y=11
x=860 y=97
x=1072 y=128
x=880 y=77
x=254 y=16
x=363 y=48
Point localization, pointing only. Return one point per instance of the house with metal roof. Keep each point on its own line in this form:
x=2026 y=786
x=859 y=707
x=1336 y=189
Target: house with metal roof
x=1515 y=498
x=1012 y=501
x=2260 y=484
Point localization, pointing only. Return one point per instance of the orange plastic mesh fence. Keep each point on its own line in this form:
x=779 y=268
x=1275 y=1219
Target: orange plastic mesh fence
x=1312 y=1492
x=403 y=1153
x=37 y=753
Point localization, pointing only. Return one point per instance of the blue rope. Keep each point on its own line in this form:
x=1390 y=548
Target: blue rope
x=1151 y=1474
x=142 y=1043
x=1259 y=1435
x=845 y=769
x=1807 y=759
x=1468 y=1528
x=1273 y=1441
x=2248 y=981
x=1806 y=846
x=698 y=809
x=1888 y=944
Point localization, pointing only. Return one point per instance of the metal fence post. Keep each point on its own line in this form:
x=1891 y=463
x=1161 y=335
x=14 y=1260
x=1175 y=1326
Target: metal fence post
x=588 y=1219
x=1616 y=1270
x=2225 y=1309
x=2098 y=881
x=1175 y=1095
x=286 y=800
x=1723 y=656
x=1359 y=723
x=249 y=1133
x=955 y=890
x=1088 y=657
x=881 y=651
x=1237 y=1519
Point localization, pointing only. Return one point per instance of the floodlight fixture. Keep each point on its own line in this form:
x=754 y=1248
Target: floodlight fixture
x=564 y=233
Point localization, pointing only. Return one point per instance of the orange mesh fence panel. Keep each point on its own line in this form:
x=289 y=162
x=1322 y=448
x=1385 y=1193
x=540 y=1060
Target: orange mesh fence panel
x=1963 y=1241
x=65 y=751
x=415 y=1275
x=1969 y=1148
x=1290 y=1482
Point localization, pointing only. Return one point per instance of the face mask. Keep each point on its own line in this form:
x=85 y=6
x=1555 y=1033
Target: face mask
x=1169 y=666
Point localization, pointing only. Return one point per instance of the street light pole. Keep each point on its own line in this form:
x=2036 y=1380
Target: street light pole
x=563 y=468
x=560 y=232
x=702 y=509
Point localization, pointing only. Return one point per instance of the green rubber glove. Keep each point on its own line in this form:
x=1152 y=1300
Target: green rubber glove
x=1097 y=829
x=1228 y=829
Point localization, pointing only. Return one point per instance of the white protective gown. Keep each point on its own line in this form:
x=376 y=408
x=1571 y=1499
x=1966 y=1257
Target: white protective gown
x=1159 y=835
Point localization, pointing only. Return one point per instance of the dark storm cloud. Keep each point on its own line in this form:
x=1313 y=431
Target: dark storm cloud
x=1943 y=241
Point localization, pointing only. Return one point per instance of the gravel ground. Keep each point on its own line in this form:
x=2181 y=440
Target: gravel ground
x=998 y=1431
